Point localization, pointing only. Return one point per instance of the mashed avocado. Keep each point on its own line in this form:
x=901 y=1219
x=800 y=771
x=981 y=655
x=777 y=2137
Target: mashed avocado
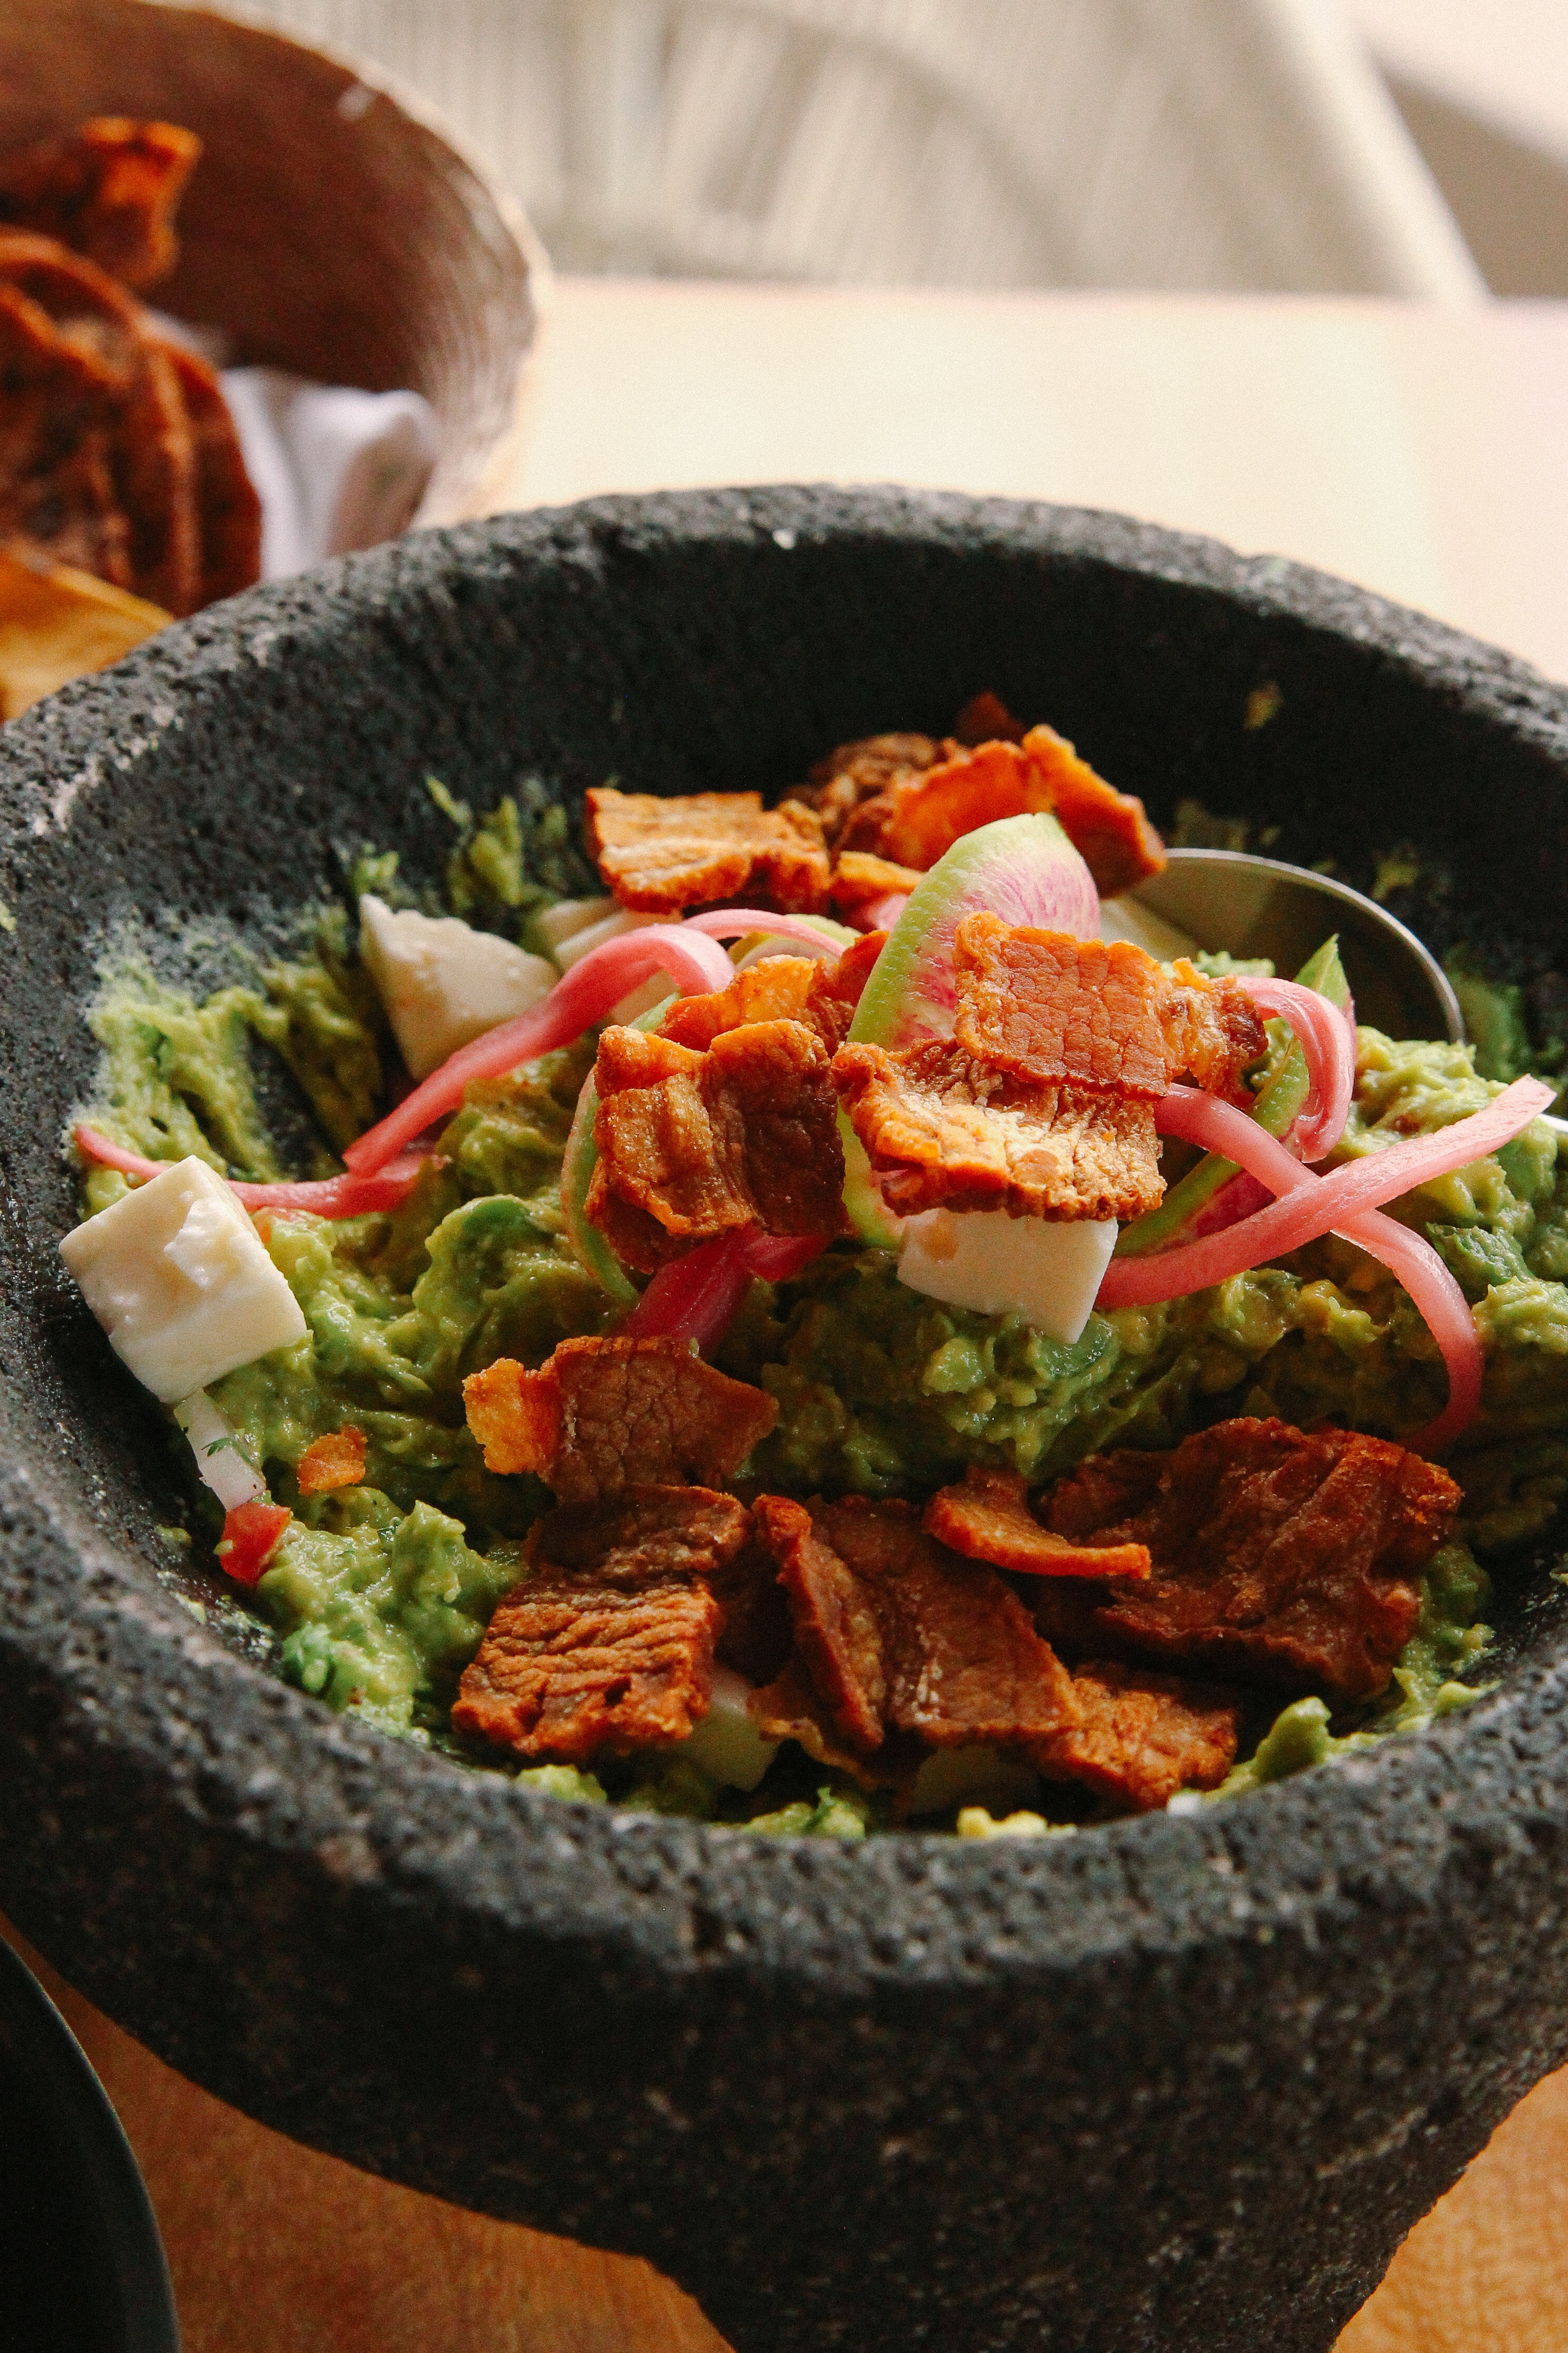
x=380 y=1593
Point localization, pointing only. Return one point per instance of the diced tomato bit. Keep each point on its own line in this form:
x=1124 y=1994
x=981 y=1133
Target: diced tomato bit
x=250 y=1535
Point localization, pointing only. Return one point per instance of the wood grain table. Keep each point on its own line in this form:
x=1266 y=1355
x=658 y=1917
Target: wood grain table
x=1421 y=452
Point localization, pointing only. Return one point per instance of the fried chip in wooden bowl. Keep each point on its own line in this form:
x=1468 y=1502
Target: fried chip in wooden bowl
x=56 y=624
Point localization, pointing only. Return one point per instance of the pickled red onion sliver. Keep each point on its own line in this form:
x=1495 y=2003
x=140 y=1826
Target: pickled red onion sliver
x=1446 y=1311
x=329 y=1197
x=738 y=922
x=694 y=1296
x=1308 y=1205
x=695 y=963
x=1344 y=1203
x=1328 y=1044
x=881 y=914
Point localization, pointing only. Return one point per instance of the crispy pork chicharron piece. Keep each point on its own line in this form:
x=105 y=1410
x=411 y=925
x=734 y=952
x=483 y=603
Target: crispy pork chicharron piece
x=1049 y=1008
x=987 y=1517
x=125 y=419
x=603 y=1414
x=1044 y=1104
x=1277 y=1557
x=744 y=1133
x=333 y=1462
x=661 y=856
x=860 y=772
x=916 y=819
x=780 y=988
x=57 y=490
x=860 y=880
x=645 y=1531
x=943 y=1129
x=985 y=719
x=757 y=1634
x=1144 y=1735
x=900 y=1635
x=110 y=190
x=571 y=1664
x=789 y=1707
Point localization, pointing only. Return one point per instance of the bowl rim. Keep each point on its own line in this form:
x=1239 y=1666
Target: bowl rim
x=289 y=1780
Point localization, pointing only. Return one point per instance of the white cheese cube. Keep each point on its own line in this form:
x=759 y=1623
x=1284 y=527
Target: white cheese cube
x=568 y=917
x=1049 y=1269
x=970 y=1776
x=726 y=1745
x=443 y=982
x=179 y=1279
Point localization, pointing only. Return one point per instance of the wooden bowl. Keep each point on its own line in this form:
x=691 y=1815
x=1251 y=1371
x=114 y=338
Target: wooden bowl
x=332 y=227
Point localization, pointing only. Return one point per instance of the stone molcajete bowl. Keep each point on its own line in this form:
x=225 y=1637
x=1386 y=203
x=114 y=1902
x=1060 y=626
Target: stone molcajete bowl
x=1182 y=2082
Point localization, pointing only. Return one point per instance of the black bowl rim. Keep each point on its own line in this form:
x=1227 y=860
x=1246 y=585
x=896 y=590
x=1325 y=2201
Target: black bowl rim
x=285 y=1778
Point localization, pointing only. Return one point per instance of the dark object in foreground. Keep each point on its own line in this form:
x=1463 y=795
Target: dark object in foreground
x=81 y=2264
x=1207 y=2070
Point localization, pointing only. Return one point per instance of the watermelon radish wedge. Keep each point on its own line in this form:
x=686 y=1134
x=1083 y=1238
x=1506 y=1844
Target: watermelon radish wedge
x=1023 y=869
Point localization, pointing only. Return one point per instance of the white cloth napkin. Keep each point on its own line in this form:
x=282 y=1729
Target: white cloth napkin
x=335 y=469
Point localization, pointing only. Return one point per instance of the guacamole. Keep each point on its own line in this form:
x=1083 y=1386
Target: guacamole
x=380 y=1593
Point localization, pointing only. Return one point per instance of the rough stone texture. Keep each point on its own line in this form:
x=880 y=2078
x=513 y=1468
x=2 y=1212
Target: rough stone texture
x=1179 y=2083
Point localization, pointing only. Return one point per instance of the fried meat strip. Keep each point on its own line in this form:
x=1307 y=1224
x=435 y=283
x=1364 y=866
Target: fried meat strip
x=571 y=1664
x=859 y=879
x=916 y=819
x=1283 y=1557
x=900 y=1635
x=663 y=856
x=109 y=189
x=789 y=1707
x=1042 y=1106
x=645 y=1531
x=603 y=1414
x=987 y=1517
x=333 y=1462
x=692 y=1144
x=1049 y=1008
x=942 y=1128
x=985 y=719
x=861 y=772
x=823 y=995
x=1144 y=1735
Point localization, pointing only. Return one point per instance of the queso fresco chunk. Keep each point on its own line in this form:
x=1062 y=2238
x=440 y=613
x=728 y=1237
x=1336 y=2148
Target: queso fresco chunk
x=179 y=1279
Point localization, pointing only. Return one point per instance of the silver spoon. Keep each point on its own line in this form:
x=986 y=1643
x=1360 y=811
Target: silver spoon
x=1262 y=907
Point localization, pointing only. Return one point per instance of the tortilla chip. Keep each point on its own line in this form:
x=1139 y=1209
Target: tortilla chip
x=109 y=189
x=228 y=511
x=87 y=387
x=56 y=624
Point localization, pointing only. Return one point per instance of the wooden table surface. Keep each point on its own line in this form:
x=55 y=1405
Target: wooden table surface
x=1422 y=453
